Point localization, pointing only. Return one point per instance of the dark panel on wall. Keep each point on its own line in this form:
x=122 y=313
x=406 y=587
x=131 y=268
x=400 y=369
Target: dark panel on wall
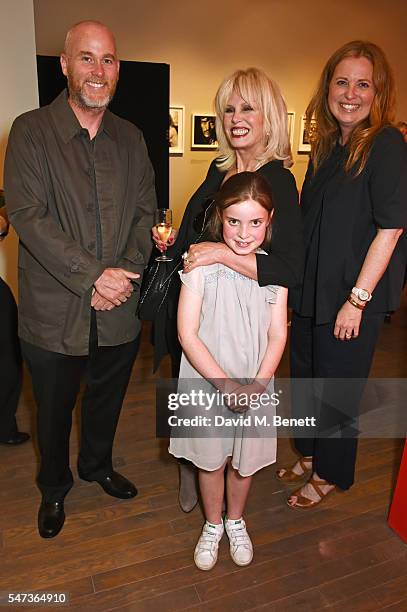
x=142 y=97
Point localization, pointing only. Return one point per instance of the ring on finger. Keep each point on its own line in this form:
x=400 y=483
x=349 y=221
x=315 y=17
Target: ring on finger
x=347 y=335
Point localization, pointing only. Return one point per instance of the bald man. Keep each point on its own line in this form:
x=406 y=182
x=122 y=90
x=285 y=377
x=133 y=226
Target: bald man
x=80 y=193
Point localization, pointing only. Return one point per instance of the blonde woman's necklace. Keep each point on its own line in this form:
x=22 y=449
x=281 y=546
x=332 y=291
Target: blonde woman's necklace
x=252 y=166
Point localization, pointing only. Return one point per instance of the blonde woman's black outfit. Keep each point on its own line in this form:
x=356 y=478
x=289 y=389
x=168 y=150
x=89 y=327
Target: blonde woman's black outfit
x=283 y=265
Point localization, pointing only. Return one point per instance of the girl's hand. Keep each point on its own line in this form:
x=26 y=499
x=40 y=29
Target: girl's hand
x=347 y=322
x=204 y=254
x=162 y=246
x=241 y=397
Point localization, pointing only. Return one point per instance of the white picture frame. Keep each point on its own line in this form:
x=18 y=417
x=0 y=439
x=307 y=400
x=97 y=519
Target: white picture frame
x=290 y=127
x=176 y=132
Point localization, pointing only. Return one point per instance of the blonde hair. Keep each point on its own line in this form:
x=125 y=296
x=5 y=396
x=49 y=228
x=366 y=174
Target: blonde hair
x=327 y=130
x=263 y=94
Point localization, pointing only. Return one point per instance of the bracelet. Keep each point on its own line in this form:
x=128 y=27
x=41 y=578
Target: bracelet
x=355 y=304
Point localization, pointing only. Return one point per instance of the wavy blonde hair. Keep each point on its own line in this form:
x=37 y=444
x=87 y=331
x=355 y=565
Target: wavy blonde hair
x=262 y=93
x=327 y=131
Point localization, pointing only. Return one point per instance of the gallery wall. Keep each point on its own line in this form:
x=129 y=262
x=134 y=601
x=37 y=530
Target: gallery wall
x=18 y=94
x=205 y=41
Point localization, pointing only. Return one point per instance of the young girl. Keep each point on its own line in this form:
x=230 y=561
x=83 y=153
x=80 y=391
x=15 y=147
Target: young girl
x=233 y=334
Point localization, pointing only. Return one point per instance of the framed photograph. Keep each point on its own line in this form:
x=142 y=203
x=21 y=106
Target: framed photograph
x=290 y=126
x=203 y=132
x=304 y=144
x=176 y=130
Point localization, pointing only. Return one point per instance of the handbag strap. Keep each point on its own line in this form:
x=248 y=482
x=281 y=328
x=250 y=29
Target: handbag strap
x=207 y=209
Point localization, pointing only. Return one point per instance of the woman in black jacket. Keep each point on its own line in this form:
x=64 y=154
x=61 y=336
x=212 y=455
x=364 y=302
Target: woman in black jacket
x=251 y=125
x=354 y=206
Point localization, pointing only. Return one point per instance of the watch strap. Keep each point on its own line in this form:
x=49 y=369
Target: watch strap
x=355 y=303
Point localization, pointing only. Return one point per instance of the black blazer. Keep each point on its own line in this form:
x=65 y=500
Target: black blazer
x=283 y=265
x=341 y=215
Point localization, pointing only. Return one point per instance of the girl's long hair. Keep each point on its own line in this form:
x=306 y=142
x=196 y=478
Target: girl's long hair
x=239 y=188
x=326 y=129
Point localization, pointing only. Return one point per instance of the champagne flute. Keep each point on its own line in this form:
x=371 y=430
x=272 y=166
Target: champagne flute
x=163 y=224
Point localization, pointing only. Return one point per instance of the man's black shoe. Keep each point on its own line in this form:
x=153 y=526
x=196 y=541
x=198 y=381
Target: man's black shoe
x=18 y=438
x=116 y=485
x=51 y=518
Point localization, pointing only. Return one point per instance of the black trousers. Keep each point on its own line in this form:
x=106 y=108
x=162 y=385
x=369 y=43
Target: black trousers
x=56 y=380
x=316 y=353
x=10 y=364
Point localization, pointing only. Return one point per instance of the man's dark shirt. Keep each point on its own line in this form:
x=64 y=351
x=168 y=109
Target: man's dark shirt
x=78 y=206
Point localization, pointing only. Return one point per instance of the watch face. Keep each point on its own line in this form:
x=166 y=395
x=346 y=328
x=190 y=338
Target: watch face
x=363 y=295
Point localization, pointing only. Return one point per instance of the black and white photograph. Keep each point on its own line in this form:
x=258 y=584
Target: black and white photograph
x=204 y=132
x=176 y=130
x=304 y=143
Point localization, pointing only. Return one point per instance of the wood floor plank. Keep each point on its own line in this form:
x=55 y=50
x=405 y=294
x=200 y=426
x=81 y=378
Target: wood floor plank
x=138 y=554
x=400 y=606
x=392 y=592
x=141 y=584
x=367 y=578
x=277 y=548
x=267 y=593
x=91 y=526
x=34 y=571
x=180 y=600
x=306 y=601
x=304 y=565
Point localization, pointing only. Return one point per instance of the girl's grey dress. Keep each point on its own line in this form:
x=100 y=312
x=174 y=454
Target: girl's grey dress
x=235 y=317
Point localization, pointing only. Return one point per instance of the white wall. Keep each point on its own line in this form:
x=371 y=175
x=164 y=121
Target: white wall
x=19 y=93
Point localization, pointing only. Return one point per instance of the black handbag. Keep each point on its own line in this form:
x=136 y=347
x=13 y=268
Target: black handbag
x=159 y=275
x=155 y=286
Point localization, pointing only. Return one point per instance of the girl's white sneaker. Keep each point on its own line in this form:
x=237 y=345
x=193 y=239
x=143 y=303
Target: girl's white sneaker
x=241 y=547
x=206 y=550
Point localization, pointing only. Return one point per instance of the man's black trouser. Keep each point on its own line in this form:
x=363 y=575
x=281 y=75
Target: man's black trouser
x=56 y=380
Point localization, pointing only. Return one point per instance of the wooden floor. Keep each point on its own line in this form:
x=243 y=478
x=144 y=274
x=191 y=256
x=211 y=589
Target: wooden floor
x=138 y=554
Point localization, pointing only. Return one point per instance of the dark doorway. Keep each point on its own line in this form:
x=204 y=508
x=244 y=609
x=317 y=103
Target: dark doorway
x=142 y=97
